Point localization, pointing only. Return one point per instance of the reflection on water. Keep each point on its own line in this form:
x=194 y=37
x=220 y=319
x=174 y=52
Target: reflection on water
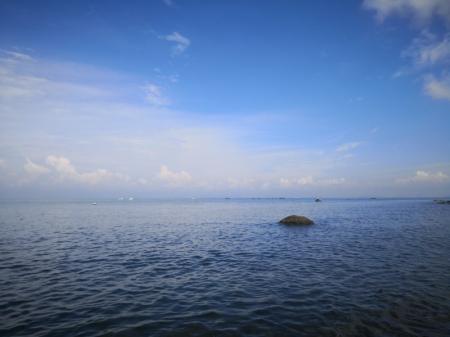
x=225 y=268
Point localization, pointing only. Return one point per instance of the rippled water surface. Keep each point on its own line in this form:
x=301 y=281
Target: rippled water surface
x=225 y=268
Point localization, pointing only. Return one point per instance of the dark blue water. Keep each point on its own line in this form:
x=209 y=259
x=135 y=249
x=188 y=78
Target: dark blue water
x=225 y=268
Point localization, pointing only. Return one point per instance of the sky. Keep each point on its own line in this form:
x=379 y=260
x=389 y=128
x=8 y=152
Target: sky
x=172 y=98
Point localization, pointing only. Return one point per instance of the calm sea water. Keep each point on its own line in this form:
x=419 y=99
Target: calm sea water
x=225 y=268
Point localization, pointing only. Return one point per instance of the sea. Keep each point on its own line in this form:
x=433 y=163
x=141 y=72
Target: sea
x=225 y=267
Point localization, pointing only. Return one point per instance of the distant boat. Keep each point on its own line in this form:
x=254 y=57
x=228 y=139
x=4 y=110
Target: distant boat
x=317 y=200
x=442 y=201
x=94 y=203
x=130 y=198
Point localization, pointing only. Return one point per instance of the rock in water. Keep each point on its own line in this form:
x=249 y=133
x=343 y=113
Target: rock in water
x=296 y=220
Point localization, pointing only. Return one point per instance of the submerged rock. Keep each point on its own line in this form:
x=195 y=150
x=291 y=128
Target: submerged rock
x=296 y=220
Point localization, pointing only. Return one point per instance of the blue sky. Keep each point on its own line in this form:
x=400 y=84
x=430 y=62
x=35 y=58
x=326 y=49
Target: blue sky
x=241 y=98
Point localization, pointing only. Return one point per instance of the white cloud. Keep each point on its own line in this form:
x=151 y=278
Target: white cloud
x=348 y=146
x=310 y=181
x=142 y=181
x=425 y=177
x=181 y=42
x=437 y=88
x=66 y=171
x=101 y=176
x=34 y=170
x=239 y=183
x=62 y=165
x=174 y=178
x=333 y=181
x=93 y=115
x=284 y=182
x=421 y=10
x=155 y=96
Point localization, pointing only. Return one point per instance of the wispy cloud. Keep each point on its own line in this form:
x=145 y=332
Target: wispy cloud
x=310 y=181
x=14 y=55
x=428 y=50
x=425 y=177
x=348 y=146
x=94 y=131
x=181 y=42
x=155 y=96
x=169 y=3
x=429 y=53
x=26 y=78
x=421 y=10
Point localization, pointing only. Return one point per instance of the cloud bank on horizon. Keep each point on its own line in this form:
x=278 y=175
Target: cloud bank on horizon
x=155 y=104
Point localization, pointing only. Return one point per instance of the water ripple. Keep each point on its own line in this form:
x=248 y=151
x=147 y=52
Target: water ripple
x=225 y=268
